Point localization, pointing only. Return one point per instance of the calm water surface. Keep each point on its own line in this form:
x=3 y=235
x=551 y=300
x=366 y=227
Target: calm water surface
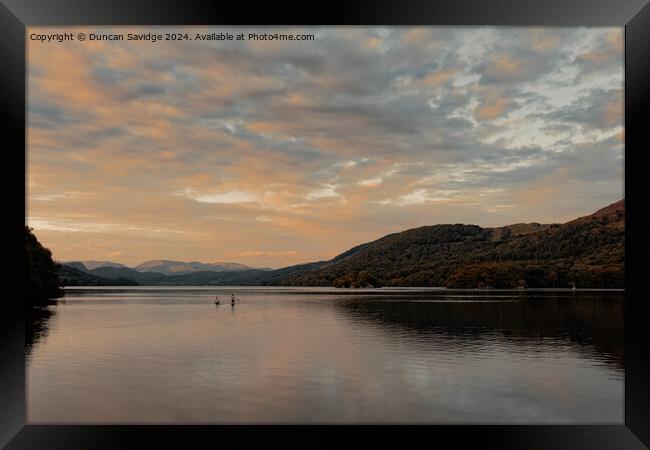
x=311 y=355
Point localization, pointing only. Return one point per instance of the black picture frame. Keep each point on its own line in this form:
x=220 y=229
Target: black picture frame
x=634 y=15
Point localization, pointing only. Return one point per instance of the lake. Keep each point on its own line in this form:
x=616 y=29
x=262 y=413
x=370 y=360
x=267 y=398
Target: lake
x=158 y=355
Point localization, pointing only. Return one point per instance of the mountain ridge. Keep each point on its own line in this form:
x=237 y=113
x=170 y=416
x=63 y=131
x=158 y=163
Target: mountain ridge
x=92 y=264
x=585 y=252
x=169 y=267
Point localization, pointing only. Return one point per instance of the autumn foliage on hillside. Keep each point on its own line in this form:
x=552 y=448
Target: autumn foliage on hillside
x=587 y=252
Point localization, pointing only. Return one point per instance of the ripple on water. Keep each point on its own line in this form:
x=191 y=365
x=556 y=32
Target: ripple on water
x=278 y=356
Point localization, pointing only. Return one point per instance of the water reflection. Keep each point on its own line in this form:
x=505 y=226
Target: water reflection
x=37 y=325
x=591 y=322
x=328 y=356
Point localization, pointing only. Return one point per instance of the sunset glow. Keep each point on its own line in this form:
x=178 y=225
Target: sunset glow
x=274 y=153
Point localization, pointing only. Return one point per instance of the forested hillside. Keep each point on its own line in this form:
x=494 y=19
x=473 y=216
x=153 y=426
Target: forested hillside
x=587 y=252
x=41 y=270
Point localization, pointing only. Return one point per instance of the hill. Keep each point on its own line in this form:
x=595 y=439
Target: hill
x=76 y=265
x=42 y=283
x=588 y=251
x=175 y=267
x=71 y=276
x=112 y=276
x=91 y=264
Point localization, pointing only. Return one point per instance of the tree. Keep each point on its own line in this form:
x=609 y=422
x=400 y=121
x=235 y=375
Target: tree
x=42 y=279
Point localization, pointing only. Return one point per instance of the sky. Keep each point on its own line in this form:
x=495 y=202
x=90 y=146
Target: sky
x=273 y=153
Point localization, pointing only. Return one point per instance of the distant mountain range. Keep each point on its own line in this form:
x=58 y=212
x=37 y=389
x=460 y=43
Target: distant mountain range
x=72 y=275
x=161 y=266
x=89 y=264
x=585 y=252
x=176 y=267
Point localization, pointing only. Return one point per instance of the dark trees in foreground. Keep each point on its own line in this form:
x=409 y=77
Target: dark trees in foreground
x=41 y=272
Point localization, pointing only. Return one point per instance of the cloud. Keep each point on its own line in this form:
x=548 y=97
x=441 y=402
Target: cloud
x=492 y=104
x=223 y=197
x=50 y=116
x=603 y=54
x=597 y=109
x=371 y=182
x=87 y=226
x=257 y=253
x=329 y=190
x=420 y=197
x=346 y=164
x=240 y=145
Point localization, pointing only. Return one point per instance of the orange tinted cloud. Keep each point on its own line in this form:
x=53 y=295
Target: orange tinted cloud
x=543 y=39
x=614 y=110
x=440 y=77
x=216 y=150
x=492 y=104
